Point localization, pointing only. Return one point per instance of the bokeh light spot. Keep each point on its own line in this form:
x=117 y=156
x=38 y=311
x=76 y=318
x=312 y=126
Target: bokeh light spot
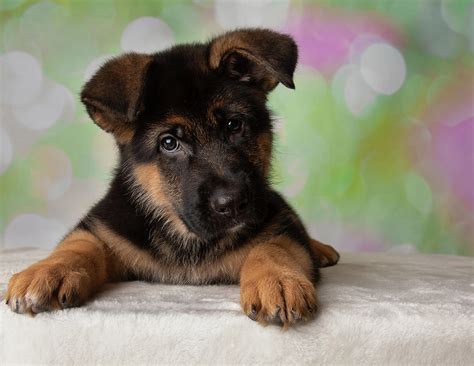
x=51 y=174
x=458 y=14
x=69 y=110
x=6 y=150
x=357 y=94
x=20 y=78
x=339 y=80
x=418 y=192
x=383 y=68
x=296 y=178
x=32 y=230
x=21 y=138
x=434 y=34
x=104 y=151
x=45 y=110
x=147 y=35
x=79 y=197
x=232 y=14
x=360 y=44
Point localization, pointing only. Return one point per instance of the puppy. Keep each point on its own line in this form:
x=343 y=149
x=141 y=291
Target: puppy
x=190 y=202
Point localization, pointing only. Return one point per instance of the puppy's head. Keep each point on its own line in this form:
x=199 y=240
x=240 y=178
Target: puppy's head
x=193 y=128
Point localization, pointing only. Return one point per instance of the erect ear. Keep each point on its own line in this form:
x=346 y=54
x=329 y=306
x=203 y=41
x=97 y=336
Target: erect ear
x=114 y=95
x=260 y=57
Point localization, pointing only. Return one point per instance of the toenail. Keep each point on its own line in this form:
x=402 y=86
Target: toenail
x=253 y=313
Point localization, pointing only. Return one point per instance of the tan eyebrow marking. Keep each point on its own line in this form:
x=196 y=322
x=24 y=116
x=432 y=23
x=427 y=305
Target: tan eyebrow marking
x=176 y=119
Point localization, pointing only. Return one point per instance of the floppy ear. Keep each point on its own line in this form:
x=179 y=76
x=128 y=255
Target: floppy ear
x=113 y=97
x=260 y=57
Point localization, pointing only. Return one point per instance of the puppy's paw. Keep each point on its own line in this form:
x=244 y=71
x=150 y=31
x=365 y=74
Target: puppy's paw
x=328 y=256
x=282 y=298
x=48 y=285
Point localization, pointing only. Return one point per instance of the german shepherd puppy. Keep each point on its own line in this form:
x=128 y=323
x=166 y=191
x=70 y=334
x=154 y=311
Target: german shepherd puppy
x=190 y=202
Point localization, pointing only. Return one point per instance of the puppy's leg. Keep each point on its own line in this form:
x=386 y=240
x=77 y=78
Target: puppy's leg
x=328 y=256
x=275 y=282
x=77 y=268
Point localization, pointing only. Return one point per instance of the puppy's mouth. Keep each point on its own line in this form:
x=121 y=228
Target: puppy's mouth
x=236 y=228
x=213 y=230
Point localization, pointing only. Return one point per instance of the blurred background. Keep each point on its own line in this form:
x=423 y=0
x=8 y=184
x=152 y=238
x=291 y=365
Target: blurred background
x=374 y=148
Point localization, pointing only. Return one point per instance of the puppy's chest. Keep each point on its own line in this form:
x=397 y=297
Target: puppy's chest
x=190 y=262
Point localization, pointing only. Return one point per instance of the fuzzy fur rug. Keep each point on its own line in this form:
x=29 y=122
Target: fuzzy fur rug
x=375 y=309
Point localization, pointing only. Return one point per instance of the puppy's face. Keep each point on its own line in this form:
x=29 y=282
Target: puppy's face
x=210 y=139
x=192 y=123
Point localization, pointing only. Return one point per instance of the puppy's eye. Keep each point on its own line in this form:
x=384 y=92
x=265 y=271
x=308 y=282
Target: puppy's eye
x=169 y=143
x=234 y=126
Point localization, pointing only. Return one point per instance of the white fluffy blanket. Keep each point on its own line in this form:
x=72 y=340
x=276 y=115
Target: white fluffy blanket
x=375 y=309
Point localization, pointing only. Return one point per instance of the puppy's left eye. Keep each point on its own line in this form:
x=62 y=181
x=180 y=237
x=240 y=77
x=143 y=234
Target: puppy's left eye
x=234 y=126
x=169 y=143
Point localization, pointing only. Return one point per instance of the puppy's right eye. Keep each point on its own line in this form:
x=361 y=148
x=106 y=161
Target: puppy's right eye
x=234 y=126
x=169 y=143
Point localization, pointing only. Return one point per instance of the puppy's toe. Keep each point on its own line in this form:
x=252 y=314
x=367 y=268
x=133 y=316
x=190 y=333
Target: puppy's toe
x=279 y=298
x=327 y=255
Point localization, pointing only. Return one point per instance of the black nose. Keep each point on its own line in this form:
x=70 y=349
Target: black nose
x=228 y=201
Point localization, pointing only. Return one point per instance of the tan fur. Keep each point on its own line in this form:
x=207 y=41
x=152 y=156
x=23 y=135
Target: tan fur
x=275 y=282
x=82 y=263
x=143 y=264
x=150 y=181
x=131 y=258
x=222 y=45
x=175 y=119
x=265 y=142
x=149 y=178
x=228 y=266
x=122 y=134
x=327 y=255
x=75 y=270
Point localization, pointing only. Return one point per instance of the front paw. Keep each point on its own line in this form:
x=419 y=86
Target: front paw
x=328 y=256
x=282 y=298
x=48 y=285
